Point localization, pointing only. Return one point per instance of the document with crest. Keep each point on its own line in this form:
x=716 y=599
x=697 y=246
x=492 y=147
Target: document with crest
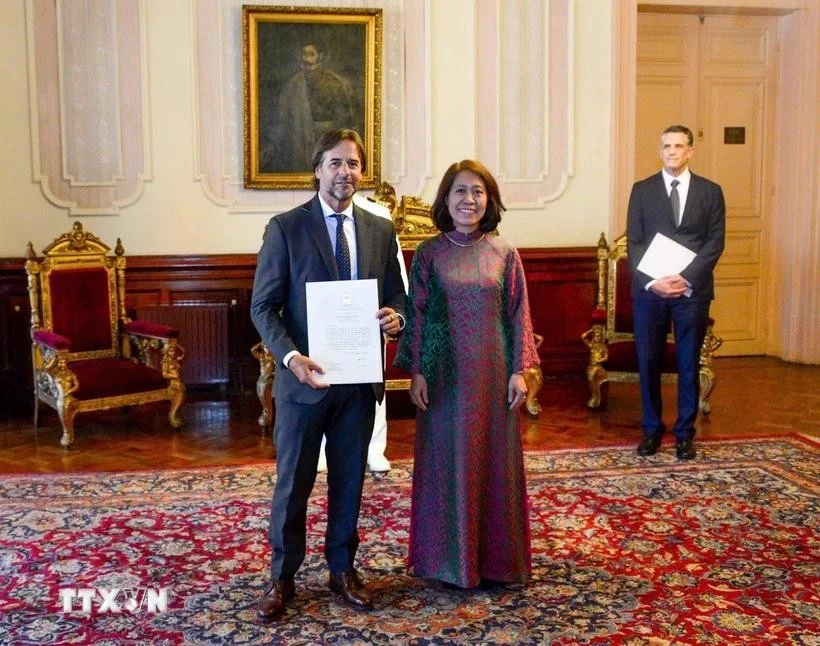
x=665 y=257
x=343 y=331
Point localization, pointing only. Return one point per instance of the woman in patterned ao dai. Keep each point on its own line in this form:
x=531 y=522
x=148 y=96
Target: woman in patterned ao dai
x=467 y=342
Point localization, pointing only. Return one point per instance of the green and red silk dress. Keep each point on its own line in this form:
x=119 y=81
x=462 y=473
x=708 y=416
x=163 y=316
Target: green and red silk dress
x=468 y=329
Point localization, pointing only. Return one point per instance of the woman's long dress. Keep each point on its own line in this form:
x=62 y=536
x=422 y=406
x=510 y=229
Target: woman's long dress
x=468 y=329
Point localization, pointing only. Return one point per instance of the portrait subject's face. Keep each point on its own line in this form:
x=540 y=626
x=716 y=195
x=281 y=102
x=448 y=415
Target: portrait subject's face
x=310 y=57
x=467 y=201
x=339 y=174
x=675 y=152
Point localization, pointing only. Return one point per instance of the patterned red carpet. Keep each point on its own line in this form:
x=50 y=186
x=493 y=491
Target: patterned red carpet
x=724 y=550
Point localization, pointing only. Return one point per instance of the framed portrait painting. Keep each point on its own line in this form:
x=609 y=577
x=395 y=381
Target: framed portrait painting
x=308 y=70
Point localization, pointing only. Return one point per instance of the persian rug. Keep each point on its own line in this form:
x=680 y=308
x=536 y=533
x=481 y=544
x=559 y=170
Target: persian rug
x=626 y=550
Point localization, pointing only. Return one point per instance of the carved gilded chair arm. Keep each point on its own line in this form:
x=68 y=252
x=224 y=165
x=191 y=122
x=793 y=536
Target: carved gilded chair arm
x=594 y=338
x=149 y=346
x=172 y=356
x=53 y=375
x=151 y=330
x=52 y=340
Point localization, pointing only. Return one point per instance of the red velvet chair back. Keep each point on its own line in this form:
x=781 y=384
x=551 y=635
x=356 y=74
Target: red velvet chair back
x=81 y=308
x=622 y=298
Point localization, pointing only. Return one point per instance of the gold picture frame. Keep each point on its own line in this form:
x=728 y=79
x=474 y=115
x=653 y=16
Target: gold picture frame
x=307 y=70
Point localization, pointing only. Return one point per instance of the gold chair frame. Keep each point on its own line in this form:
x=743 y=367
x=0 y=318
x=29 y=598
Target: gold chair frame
x=54 y=381
x=602 y=335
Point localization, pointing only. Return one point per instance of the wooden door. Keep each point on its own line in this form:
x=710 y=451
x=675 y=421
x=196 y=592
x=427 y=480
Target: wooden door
x=717 y=75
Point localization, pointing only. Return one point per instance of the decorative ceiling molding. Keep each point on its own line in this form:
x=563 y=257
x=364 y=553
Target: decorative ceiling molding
x=219 y=154
x=88 y=103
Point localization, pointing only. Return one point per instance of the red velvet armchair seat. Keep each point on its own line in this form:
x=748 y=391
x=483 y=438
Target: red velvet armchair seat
x=611 y=339
x=82 y=340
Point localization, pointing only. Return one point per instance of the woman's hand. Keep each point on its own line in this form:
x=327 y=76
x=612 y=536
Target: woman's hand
x=418 y=391
x=516 y=391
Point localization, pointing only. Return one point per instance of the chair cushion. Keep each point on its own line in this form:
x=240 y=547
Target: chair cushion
x=81 y=307
x=623 y=358
x=109 y=377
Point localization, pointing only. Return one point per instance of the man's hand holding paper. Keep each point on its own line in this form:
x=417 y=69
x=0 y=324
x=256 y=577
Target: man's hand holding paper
x=664 y=260
x=343 y=333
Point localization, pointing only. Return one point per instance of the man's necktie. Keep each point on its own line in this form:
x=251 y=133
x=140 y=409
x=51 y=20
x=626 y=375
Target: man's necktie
x=675 y=199
x=342 y=250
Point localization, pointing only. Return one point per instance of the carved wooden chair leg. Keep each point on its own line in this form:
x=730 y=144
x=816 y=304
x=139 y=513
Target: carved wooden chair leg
x=534 y=378
x=597 y=377
x=67 y=409
x=177 y=398
x=707 y=385
x=264 y=383
x=711 y=342
x=263 y=392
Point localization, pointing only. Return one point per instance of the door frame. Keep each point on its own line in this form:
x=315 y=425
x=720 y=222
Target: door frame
x=795 y=106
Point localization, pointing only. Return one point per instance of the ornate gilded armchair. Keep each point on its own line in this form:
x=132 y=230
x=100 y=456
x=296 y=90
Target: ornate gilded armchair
x=82 y=340
x=413 y=223
x=611 y=339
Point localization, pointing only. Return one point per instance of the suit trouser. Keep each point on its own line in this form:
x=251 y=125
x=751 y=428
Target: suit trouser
x=651 y=319
x=345 y=416
x=378 y=441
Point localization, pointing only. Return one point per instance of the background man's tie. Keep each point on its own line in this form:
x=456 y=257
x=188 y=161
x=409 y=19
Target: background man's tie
x=342 y=250
x=675 y=199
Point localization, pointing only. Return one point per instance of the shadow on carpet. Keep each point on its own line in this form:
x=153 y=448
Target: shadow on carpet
x=626 y=550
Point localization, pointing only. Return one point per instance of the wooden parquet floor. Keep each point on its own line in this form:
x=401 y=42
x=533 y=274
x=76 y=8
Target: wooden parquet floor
x=755 y=396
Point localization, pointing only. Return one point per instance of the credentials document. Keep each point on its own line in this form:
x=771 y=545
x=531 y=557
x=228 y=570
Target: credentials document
x=665 y=257
x=343 y=331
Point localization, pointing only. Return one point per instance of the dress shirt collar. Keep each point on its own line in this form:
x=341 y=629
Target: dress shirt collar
x=683 y=178
x=327 y=211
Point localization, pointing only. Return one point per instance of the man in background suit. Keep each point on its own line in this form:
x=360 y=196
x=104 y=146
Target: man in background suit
x=691 y=211
x=302 y=246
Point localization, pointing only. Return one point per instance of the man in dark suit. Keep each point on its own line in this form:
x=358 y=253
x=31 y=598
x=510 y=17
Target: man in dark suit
x=301 y=246
x=691 y=211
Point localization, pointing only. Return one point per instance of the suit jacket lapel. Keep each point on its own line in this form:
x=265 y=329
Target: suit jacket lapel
x=691 y=197
x=318 y=232
x=364 y=242
x=663 y=196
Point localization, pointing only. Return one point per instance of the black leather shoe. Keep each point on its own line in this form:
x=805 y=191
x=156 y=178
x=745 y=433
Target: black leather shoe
x=273 y=602
x=649 y=445
x=349 y=587
x=685 y=450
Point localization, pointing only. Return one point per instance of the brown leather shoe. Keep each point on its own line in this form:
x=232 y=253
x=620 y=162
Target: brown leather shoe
x=273 y=602
x=348 y=585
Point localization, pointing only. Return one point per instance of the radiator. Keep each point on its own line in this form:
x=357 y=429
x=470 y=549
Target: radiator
x=203 y=333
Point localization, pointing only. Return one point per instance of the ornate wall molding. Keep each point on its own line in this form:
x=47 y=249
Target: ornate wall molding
x=525 y=123
x=218 y=102
x=88 y=103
